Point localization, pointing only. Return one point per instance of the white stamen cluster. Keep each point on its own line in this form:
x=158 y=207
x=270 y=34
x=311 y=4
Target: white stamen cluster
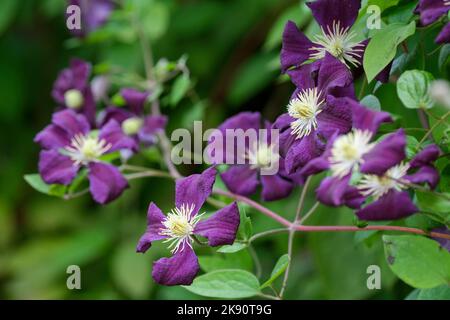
x=348 y=150
x=338 y=41
x=84 y=149
x=262 y=156
x=304 y=109
x=179 y=226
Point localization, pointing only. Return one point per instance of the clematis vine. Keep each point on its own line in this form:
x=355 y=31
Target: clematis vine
x=314 y=112
x=94 y=14
x=181 y=226
x=69 y=144
x=134 y=122
x=432 y=10
x=72 y=89
x=335 y=18
x=245 y=175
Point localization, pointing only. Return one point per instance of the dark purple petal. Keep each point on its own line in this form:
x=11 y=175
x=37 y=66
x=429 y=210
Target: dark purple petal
x=106 y=182
x=445 y=243
x=135 y=99
x=444 y=35
x=336 y=116
x=240 y=179
x=52 y=137
x=155 y=217
x=328 y=11
x=180 y=269
x=113 y=134
x=353 y=198
x=94 y=13
x=56 y=168
x=296 y=47
x=365 y=118
x=332 y=74
x=385 y=154
x=302 y=151
x=152 y=125
x=115 y=113
x=220 y=229
x=195 y=189
x=74 y=77
x=275 y=187
x=305 y=76
x=391 y=206
x=426 y=156
x=425 y=174
x=431 y=10
x=332 y=191
x=71 y=122
x=384 y=75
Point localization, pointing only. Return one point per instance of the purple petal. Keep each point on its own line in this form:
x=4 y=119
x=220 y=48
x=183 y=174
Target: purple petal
x=52 y=137
x=328 y=11
x=180 y=269
x=155 y=217
x=336 y=116
x=333 y=74
x=384 y=74
x=365 y=118
x=94 y=14
x=115 y=113
x=240 y=179
x=195 y=189
x=106 y=182
x=393 y=205
x=426 y=156
x=74 y=77
x=332 y=191
x=56 y=168
x=353 y=198
x=152 y=125
x=305 y=76
x=296 y=47
x=431 y=10
x=275 y=187
x=444 y=35
x=135 y=99
x=302 y=151
x=220 y=229
x=386 y=154
x=425 y=174
x=71 y=122
x=112 y=133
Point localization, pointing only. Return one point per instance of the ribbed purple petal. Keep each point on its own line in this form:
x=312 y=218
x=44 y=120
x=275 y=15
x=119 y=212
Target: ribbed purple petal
x=332 y=74
x=332 y=191
x=304 y=77
x=155 y=217
x=112 y=133
x=240 y=179
x=296 y=47
x=71 y=122
x=152 y=125
x=431 y=10
x=391 y=206
x=275 y=187
x=180 y=269
x=336 y=116
x=56 y=168
x=365 y=118
x=115 y=113
x=425 y=174
x=52 y=137
x=326 y=12
x=386 y=154
x=195 y=189
x=106 y=182
x=429 y=154
x=220 y=229
x=135 y=99
x=302 y=151
x=444 y=36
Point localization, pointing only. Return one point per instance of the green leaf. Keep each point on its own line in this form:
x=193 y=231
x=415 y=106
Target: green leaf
x=235 y=247
x=430 y=202
x=411 y=146
x=418 y=261
x=154 y=17
x=179 y=89
x=7 y=13
x=245 y=227
x=38 y=184
x=437 y=293
x=382 y=47
x=371 y=102
x=443 y=55
x=239 y=260
x=278 y=270
x=226 y=284
x=412 y=89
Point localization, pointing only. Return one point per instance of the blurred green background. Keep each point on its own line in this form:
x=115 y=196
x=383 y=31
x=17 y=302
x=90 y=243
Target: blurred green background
x=232 y=48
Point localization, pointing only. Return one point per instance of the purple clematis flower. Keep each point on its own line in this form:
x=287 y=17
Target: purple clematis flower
x=354 y=152
x=134 y=123
x=94 y=14
x=180 y=227
x=335 y=18
x=69 y=144
x=248 y=165
x=315 y=111
x=391 y=201
x=432 y=10
x=72 y=89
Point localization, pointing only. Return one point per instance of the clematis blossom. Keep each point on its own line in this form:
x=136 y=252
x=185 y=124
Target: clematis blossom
x=69 y=144
x=180 y=227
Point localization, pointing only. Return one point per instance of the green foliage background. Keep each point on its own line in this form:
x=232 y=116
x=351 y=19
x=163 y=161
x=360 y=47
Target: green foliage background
x=232 y=48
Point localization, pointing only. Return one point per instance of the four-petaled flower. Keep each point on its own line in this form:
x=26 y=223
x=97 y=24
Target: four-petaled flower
x=180 y=227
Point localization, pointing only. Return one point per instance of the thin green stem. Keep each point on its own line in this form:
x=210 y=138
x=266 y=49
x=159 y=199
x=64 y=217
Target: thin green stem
x=267 y=233
x=309 y=213
x=258 y=268
x=435 y=125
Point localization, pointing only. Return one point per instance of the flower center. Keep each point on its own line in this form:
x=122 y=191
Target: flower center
x=262 y=156
x=84 y=149
x=377 y=186
x=73 y=99
x=338 y=42
x=304 y=109
x=179 y=226
x=348 y=150
x=131 y=126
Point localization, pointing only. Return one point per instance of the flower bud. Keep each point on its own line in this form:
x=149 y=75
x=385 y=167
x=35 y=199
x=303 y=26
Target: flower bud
x=132 y=126
x=73 y=99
